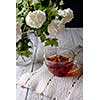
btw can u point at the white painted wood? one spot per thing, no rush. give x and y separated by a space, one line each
58 87
70 38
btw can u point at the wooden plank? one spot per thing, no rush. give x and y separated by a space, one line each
59 87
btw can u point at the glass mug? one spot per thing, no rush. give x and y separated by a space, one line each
62 63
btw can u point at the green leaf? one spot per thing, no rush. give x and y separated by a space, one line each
51 42
22 46
55 42
61 3
25 27
48 42
37 6
42 37
26 53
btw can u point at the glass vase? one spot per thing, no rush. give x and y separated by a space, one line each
23 60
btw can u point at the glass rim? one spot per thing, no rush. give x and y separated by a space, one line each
54 49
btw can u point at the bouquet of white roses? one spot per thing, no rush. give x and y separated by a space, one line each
43 17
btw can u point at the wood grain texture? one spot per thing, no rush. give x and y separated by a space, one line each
58 87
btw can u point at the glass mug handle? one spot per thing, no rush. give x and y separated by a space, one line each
78 55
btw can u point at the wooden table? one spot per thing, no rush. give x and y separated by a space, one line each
58 88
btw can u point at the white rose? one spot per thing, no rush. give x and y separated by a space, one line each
55 27
61 12
67 14
35 19
18 31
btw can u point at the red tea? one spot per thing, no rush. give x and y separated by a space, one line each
63 66
60 65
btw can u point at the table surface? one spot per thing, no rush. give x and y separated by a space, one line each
58 88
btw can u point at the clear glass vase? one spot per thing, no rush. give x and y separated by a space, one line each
23 60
